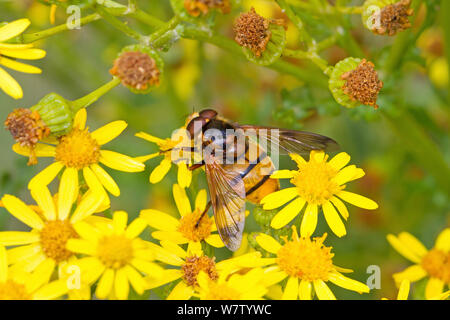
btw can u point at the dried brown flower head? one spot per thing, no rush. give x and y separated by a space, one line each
136 70
252 31
27 128
362 84
198 7
393 18
194 265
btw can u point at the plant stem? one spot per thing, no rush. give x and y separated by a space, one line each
312 56
350 10
90 98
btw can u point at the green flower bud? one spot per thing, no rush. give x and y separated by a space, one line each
386 17
56 113
139 68
263 217
353 82
262 40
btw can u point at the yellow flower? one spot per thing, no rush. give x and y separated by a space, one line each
21 285
43 249
114 254
318 183
248 286
80 150
190 263
187 229
403 292
10 52
166 149
434 263
308 265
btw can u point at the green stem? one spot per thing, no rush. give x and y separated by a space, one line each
32 37
446 28
312 56
415 139
350 10
90 98
170 25
119 25
326 43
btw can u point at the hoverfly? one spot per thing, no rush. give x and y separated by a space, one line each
247 176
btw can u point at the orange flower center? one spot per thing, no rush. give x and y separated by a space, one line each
306 259
194 265
54 237
115 251
11 290
437 264
78 149
193 229
314 181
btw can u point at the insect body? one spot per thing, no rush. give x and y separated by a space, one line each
239 169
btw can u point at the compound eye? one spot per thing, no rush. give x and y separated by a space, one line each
195 126
208 114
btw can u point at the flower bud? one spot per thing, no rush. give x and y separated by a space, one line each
263 217
56 113
353 82
261 39
387 17
139 68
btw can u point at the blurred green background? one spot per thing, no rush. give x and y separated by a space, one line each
199 75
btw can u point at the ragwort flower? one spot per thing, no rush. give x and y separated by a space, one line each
308 265
10 52
434 263
80 150
318 183
115 254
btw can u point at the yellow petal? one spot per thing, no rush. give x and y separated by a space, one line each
43 178
135 279
181 292
184 175
81 246
412 273
278 198
40 150
105 284
403 249
23 252
309 221
283 174
297 158
181 200
150 138
340 206
121 284
403 291
10 85
149 268
80 119
147 157
339 161
168 275
106 180
174 236
289 212
21 211
120 220
19 66
17 238
68 192
200 200
109 132
268 243
347 283
120 161
88 205
159 220
136 228
291 290
358 200
443 240
177 250
41 275
304 290
215 241
51 291
26 54
434 287
322 290
13 29
87 231
3 265
347 174
160 171
45 201
413 244
333 220
92 181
